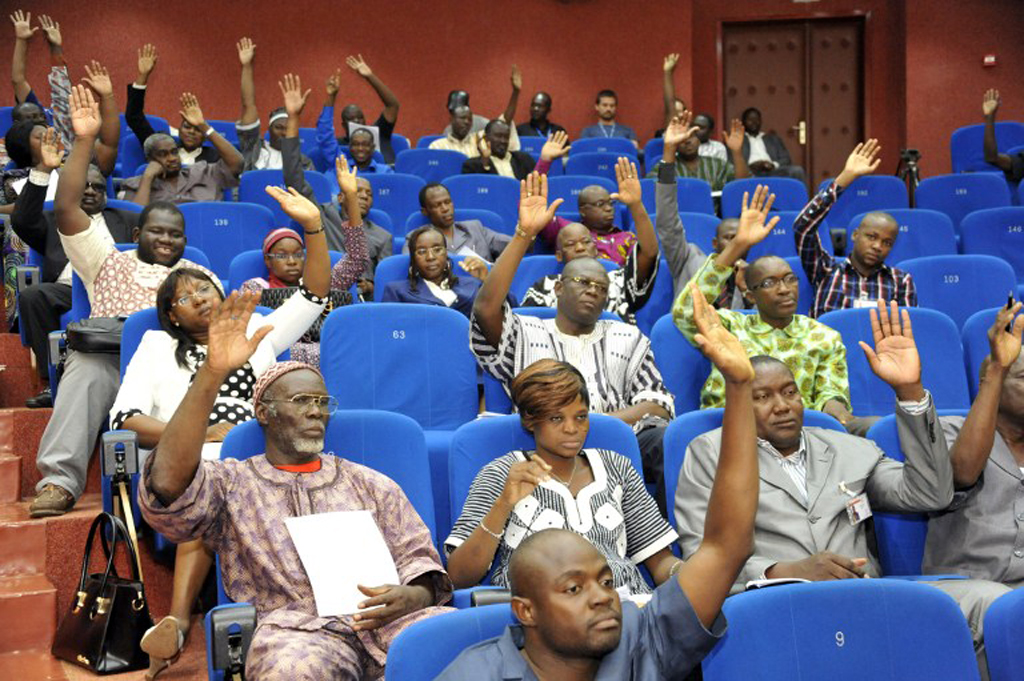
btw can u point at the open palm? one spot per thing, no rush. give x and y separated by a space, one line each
85 112
347 180
534 211
894 358
49 149
227 346
629 192
864 159
295 205
752 228
717 343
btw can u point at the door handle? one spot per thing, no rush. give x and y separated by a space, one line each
801 132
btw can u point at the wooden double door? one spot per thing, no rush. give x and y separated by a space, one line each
807 79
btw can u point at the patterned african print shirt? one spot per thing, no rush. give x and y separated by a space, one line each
712 170
813 352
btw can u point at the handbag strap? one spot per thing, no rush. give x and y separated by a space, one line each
123 507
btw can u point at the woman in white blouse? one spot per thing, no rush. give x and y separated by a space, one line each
162 369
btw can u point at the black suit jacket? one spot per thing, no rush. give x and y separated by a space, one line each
38 228
522 165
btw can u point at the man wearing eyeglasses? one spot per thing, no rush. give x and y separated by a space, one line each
813 352
187 498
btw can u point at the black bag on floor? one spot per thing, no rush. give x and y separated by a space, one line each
102 628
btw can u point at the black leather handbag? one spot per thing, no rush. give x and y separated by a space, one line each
109 614
96 334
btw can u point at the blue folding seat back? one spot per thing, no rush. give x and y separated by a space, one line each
805 291
531 269
844 630
568 188
5 119
396 194
922 233
790 194
701 229
432 165
958 195
653 151
424 142
900 536
226 129
959 285
489 192
396 268
866 194
422 651
129 206
223 229
660 302
683 368
976 347
129 156
158 124
1004 628
532 145
693 195
938 343
478 443
599 164
782 242
998 232
966 144
252 189
488 218
381 219
399 143
617 146
250 264
685 427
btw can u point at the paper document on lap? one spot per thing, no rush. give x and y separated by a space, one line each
340 551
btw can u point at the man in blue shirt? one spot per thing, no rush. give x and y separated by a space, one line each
606 105
572 625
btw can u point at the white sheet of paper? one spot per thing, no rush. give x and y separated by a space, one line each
326 544
374 130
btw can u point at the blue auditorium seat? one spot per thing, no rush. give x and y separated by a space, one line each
966 145
1004 629
700 228
396 194
782 240
5 119
597 164
381 219
976 347
683 367
489 192
250 264
653 151
846 630
805 291
958 195
432 165
226 129
223 229
253 184
938 343
693 195
615 146
399 143
660 301
790 194
998 232
488 218
922 233
129 206
958 285
424 142
866 194
129 156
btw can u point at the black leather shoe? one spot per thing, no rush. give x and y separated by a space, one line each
43 400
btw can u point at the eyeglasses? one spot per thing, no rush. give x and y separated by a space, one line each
603 203
585 284
199 294
568 244
327 404
98 187
287 256
772 283
433 250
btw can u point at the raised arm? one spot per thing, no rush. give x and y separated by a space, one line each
387 97
513 100
534 216
27 218
316 272
98 78
246 55
707 576
134 108
176 457
973 444
630 194
326 138
85 120
733 139
191 112
291 152
351 267
23 33
989 108
668 86
894 358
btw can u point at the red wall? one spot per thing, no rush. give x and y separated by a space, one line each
923 69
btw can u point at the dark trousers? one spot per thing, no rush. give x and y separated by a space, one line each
652 453
40 307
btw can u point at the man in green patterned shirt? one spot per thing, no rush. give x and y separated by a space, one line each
681 150
814 352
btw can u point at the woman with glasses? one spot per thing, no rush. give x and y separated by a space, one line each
162 369
432 274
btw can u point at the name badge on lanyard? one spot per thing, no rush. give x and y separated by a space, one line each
864 301
858 509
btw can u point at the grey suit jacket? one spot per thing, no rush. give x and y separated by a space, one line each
981 534
683 258
787 528
774 145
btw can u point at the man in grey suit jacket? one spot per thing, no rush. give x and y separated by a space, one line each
812 477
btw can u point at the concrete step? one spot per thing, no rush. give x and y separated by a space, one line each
18 380
31 665
20 432
30 601
22 542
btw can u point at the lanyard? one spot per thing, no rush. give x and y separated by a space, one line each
604 130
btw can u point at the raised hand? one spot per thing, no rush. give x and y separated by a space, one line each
85 112
291 91
359 65
397 601
1004 339
23 25
297 207
50 151
557 146
474 267
523 478
98 78
333 83
534 211
863 160
990 103
191 112
246 51
483 146
629 183
227 347
670 62
52 30
753 229
717 343
894 358
347 179
517 79
734 138
147 59
679 129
